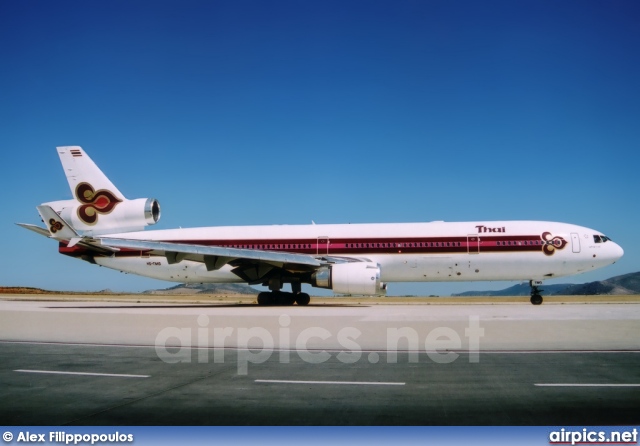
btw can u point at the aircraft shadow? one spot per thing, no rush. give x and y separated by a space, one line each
142 306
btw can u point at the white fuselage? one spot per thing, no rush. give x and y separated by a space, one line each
406 252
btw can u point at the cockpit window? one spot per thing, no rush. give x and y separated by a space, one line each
601 238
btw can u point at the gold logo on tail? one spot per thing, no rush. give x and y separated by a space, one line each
55 225
95 202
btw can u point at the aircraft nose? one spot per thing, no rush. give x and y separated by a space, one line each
614 252
618 252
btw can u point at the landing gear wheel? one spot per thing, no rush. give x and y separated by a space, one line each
303 299
265 299
288 299
536 297
276 298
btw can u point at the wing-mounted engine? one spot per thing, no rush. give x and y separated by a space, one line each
350 278
104 213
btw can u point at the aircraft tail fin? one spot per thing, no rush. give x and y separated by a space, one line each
97 207
80 170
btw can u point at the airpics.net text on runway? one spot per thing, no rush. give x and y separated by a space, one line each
256 345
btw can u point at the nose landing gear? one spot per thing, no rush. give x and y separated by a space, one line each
536 298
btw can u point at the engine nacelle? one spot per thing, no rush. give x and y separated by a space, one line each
108 215
350 278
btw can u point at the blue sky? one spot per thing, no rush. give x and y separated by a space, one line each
248 112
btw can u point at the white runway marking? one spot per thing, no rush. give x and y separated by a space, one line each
53 372
586 385
355 383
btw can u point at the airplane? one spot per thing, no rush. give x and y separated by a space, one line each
101 226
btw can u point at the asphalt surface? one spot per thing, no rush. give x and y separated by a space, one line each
64 364
500 389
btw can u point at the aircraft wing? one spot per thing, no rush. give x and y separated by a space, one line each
215 257
252 265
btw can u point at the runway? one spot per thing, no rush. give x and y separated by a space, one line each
70 363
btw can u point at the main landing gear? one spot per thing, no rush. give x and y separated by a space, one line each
277 297
282 298
536 298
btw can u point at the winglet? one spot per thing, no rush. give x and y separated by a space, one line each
58 227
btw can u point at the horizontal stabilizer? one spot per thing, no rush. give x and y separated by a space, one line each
36 229
59 229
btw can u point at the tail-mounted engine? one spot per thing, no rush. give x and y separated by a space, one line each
109 214
350 278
